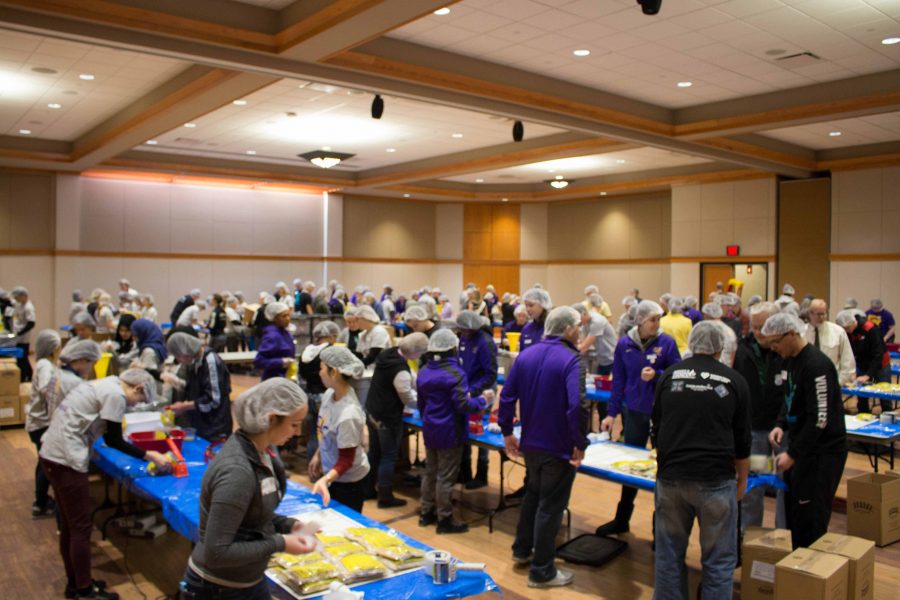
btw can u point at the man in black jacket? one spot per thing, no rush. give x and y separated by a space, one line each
873 361
761 367
182 303
813 414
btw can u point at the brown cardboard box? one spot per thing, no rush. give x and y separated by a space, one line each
10 410
811 575
9 379
861 554
873 507
761 550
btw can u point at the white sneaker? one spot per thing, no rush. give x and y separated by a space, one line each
562 578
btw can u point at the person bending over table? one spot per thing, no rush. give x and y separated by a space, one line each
241 489
89 409
207 387
340 465
873 361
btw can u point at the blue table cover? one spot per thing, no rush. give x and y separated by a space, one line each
180 502
861 393
877 430
13 352
592 394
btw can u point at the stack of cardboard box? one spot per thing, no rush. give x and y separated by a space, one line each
873 507
10 403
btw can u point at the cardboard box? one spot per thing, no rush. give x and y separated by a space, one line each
811 575
9 379
861 554
761 550
10 410
873 507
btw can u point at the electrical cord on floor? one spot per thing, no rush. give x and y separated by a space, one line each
128 570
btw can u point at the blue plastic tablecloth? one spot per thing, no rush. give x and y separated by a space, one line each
860 393
592 394
180 502
13 352
877 430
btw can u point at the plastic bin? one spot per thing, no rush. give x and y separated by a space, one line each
148 440
101 368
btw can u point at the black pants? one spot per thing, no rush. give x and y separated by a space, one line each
195 587
862 404
637 432
352 494
812 483
41 483
23 363
546 497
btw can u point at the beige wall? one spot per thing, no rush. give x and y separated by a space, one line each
388 228
26 211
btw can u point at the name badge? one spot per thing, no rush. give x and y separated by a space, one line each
268 486
651 358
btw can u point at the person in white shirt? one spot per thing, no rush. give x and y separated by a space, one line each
148 310
191 315
23 322
373 338
597 340
832 340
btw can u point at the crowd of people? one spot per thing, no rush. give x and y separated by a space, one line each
707 387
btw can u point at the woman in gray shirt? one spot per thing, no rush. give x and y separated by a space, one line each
241 489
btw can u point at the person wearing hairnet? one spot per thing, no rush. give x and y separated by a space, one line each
182 303
241 489
882 318
190 316
276 348
393 389
324 334
675 324
106 318
731 313
626 319
538 304
77 361
701 432
832 340
45 397
786 299
207 387
305 301
148 308
597 340
24 319
83 325
712 311
88 410
444 403
873 361
373 338
478 358
690 310
641 357
350 334
762 369
520 319
77 305
813 415
596 304
217 323
418 321
548 385
340 465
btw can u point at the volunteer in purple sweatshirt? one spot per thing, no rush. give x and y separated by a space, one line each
478 358
538 303
276 349
641 357
548 384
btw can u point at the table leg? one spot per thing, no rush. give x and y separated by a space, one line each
501 504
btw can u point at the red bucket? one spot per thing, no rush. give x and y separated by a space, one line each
603 382
146 440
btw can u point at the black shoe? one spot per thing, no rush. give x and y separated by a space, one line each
448 525
97 593
410 480
426 519
476 484
516 495
391 502
38 512
612 528
71 592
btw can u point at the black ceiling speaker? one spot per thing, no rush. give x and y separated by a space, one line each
650 7
518 131
377 107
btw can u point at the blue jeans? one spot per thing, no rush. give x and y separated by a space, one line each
636 432
195 587
389 438
714 505
753 504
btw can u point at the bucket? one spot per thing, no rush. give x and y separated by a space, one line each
513 341
156 440
101 367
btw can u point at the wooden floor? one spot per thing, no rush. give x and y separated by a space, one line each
32 567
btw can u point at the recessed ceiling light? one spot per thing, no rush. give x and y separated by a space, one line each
602 193
326 148
240 103
890 41
835 133
152 142
621 161
504 199
54 105
442 11
251 152
391 150
456 135
86 77
190 125
479 180
25 131
406 195
685 84
581 52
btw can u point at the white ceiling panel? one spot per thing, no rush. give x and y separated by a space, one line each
26 88
854 132
695 38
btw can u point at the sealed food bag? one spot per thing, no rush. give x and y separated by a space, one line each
360 567
287 561
344 549
331 540
406 564
399 552
311 577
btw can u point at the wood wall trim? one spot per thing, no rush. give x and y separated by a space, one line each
888 257
862 162
176 168
26 252
732 145
736 260
321 21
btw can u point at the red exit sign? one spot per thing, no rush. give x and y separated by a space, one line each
733 250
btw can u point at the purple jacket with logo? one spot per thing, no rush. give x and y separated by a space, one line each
478 358
548 383
628 361
276 345
444 403
531 334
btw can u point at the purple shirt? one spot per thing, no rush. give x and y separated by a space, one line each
549 385
531 334
276 345
629 359
884 319
478 358
444 403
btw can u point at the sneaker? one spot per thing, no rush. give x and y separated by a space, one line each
562 578
449 525
523 560
426 519
391 503
42 513
71 592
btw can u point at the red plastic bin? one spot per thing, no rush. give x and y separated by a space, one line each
146 440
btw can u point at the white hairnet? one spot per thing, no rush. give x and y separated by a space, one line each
591 289
414 343
783 323
183 344
664 299
469 320
351 312
676 305
560 319
596 300
415 313
276 396
690 302
876 303
851 303
368 313
46 343
84 318
280 284
196 293
647 309
273 309
80 349
538 296
707 337
340 358
520 309
18 291
629 301
442 340
770 308
846 317
140 377
713 310
754 299
580 308
326 329
731 299
788 289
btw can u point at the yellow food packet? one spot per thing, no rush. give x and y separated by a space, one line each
358 565
331 540
314 571
343 549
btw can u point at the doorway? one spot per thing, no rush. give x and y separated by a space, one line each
751 278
